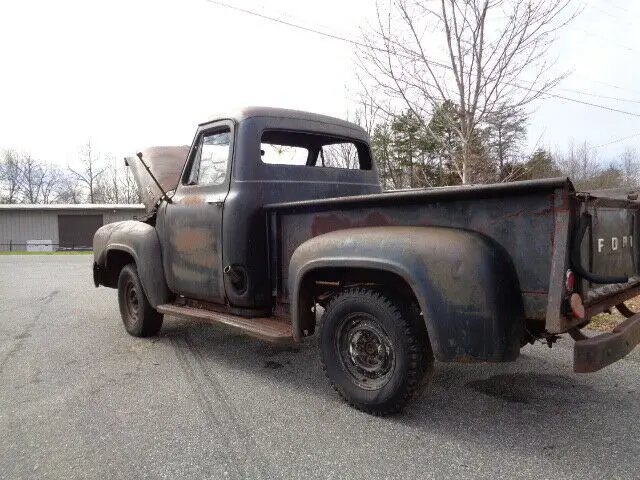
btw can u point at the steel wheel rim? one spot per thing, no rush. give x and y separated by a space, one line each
132 302
366 351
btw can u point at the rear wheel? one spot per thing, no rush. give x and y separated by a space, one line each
139 317
375 353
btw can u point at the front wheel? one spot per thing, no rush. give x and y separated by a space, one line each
139 317
376 355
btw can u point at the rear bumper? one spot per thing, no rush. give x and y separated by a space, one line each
593 354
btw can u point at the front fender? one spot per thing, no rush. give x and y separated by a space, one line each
464 281
140 241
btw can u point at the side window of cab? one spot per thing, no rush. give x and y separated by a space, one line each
210 163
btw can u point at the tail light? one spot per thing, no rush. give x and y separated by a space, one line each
577 308
570 281
573 299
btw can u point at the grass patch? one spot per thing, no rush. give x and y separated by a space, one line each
63 252
606 322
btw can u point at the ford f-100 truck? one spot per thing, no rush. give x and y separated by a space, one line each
274 216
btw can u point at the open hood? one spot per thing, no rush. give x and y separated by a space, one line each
165 163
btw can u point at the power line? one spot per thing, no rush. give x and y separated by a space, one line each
618 7
439 64
595 105
609 14
618 140
618 87
606 39
597 95
361 44
287 23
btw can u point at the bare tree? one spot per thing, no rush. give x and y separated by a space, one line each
33 179
630 166
50 184
10 177
107 188
90 171
489 45
340 155
129 188
580 163
116 184
68 189
25 179
368 112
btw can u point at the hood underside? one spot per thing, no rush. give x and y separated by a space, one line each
166 165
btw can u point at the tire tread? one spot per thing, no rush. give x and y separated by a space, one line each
420 356
151 319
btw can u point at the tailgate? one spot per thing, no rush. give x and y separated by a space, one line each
606 240
604 253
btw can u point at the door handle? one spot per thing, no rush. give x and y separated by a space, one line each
217 203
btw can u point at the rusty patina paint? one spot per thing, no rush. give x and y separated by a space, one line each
196 247
595 353
512 224
330 222
191 239
193 200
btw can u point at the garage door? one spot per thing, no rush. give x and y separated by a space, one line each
76 231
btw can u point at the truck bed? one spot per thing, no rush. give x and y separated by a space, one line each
533 221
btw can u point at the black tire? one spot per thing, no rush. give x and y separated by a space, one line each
139 317
375 353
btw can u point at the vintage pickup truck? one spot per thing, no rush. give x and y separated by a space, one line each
273 216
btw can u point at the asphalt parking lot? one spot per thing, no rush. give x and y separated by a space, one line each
79 398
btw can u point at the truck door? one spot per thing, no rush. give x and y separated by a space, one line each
192 223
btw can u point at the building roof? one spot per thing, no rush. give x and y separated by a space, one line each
72 206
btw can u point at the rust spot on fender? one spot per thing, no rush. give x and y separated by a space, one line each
377 219
328 223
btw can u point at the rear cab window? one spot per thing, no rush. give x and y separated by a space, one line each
279 147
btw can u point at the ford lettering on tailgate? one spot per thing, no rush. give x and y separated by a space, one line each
613 242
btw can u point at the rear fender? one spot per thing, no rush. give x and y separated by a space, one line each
464 282
139 241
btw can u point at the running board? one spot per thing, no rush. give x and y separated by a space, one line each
266 328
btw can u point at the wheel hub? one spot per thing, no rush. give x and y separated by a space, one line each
133 302
366 351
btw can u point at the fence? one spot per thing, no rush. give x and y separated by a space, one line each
57 247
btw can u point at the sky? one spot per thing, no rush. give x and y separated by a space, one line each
127 74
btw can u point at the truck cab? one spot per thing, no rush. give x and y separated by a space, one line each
235 167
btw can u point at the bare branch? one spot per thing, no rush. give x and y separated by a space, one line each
496 58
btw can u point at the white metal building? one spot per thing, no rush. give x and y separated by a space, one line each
65 226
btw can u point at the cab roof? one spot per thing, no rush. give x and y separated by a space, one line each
243 113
